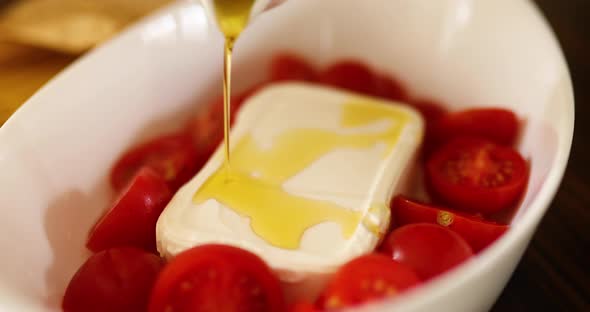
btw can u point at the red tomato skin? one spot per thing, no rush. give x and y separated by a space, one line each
206 128
478 233
114 280
466 193
495 124
430 110
303 307
286 66
367 278
131 221
391 89
216 278
350 75
172 156
428 249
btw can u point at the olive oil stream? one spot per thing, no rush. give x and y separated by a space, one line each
253 185
232 17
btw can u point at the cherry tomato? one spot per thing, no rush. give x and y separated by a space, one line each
350 75
476 175
303 307
215 109
430 110
216 278
291 67
495 124
206 129
428 249
366 278
114 280
391 89
131 221
172 156
477 232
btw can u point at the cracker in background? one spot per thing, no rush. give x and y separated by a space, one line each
70 26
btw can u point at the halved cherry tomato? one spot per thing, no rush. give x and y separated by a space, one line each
172 156
495 124
216 278
350 75
291 67
476 175
366 278
428 249
477 232
391 89
114 280
131 221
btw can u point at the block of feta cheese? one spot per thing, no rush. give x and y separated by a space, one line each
307 188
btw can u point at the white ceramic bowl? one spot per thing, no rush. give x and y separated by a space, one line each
56 150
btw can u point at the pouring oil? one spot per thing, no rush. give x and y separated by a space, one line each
232 17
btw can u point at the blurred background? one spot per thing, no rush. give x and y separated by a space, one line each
38 38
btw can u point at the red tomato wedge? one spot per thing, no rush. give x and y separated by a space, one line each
131 221
478 233
367 278
477 175
291 67
428 249
352 76
172 156
114 280
495 124
216 278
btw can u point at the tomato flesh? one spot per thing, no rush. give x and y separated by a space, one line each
367 278
428 249
477 232
291 67
216 278
495 124
114 280
131 221
172 156
476 175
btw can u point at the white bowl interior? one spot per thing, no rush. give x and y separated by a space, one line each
55 152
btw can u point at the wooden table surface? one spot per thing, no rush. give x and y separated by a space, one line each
554 274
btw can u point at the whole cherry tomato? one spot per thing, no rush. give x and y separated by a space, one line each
291 67
352 76
428 249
